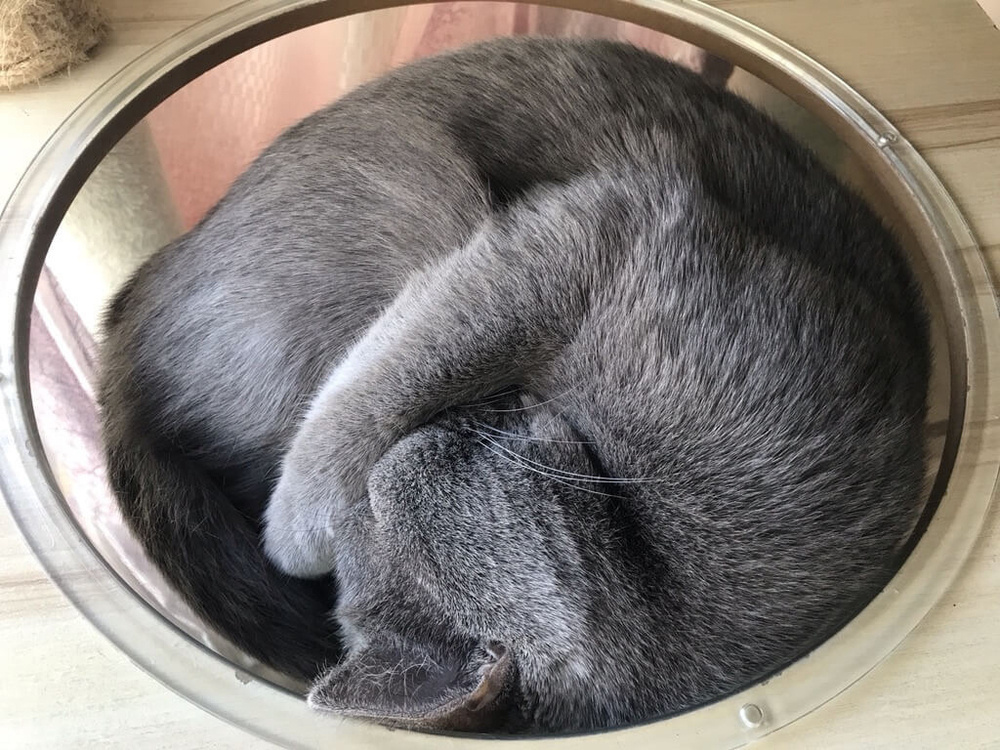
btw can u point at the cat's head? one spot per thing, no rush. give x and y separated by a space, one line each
469 596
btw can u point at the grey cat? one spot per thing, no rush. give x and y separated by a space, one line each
596 394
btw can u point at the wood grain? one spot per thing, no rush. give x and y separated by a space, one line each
933 66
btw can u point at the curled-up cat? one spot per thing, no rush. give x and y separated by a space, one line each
593 395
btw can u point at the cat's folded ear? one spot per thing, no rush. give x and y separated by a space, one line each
404 685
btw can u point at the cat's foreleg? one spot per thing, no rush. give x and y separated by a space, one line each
488 316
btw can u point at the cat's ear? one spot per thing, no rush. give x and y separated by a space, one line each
407 686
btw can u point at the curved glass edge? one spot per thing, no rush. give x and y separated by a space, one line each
29 219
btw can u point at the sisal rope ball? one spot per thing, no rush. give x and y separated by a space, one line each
41 37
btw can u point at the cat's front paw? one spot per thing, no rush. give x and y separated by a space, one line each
325 473
298 526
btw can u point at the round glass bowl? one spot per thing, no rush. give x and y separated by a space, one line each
146 155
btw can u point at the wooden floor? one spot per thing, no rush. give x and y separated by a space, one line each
932 66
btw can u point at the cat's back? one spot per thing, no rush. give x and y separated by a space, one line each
226 332
323 230
754 391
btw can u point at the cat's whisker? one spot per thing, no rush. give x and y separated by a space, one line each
549 400
551 471
554 417
498 396
556 479
528 438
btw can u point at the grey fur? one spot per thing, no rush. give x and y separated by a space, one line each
598 396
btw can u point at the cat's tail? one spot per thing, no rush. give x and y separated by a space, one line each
210 553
